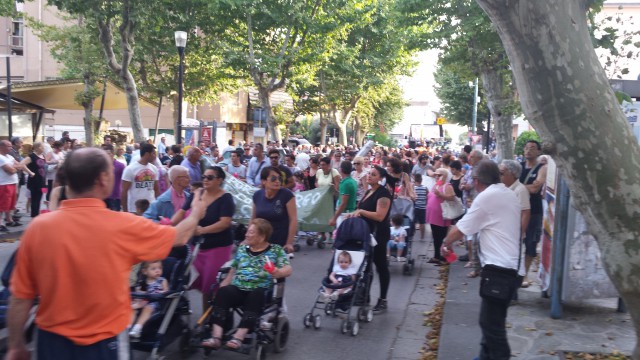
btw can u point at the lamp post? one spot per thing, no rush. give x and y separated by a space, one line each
181 42
9 100
474 117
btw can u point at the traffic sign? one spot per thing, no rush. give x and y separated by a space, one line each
441 121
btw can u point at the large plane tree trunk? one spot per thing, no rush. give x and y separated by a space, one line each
566 95
499 100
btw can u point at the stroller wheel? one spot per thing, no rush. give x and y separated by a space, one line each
260 353
317 321
328 309
310 241
296 247
321 245
307 320
355 328
362 314
185 342
369 316
344 327
282 335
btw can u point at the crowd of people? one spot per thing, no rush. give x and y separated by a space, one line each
182 189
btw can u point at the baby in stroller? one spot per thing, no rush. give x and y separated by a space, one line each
153 283
343 275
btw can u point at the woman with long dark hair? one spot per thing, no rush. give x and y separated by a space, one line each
374 208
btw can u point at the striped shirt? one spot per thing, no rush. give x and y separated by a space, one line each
421 197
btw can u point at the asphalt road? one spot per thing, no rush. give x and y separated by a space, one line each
374 341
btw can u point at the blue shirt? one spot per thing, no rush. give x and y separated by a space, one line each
253 171
195 174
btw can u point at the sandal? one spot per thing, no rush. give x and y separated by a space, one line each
212 343
473 274
234 343
468 265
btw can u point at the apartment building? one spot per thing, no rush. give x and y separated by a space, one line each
33 68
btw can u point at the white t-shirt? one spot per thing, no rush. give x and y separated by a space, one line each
495 216
5 177
302 160
398 232
142 179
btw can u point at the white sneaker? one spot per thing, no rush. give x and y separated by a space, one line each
290 256
135 331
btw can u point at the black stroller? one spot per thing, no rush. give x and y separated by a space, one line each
172 321
405 208
353 236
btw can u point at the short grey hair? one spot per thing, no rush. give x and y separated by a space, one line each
176 171
513 167
477 154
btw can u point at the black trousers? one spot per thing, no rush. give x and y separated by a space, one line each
230 296
36 198
382 267
439 233
49 188
494 344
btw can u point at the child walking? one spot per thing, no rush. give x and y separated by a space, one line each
153 283
420 205
398 236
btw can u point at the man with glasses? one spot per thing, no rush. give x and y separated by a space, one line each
246 156
287 176
256 164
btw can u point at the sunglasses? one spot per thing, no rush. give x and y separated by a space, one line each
209 177
357 163
275 178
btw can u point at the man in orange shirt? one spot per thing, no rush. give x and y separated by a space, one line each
77 261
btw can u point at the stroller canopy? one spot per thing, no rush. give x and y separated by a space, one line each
353 235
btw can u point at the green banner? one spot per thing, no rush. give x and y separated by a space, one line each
315 207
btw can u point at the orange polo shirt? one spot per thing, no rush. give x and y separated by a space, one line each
77 260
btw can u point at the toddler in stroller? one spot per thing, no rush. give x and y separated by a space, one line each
343 276
353 238
153 283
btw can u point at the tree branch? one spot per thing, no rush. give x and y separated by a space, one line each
106 39
252 56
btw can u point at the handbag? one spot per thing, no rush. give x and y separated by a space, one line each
498 283
452 209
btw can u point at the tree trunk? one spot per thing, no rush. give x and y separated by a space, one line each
87 104
357 132
131 91
566 95
499 97
324 123
265 101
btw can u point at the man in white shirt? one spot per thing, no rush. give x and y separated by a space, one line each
8 185
140 179
496 216
302 158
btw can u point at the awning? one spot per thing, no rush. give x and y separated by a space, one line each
60 94
19 106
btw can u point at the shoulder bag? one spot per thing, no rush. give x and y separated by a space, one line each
452 209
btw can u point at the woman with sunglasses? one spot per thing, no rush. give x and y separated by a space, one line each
374 208
359 174
277 205
214 228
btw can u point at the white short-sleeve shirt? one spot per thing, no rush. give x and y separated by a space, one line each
522 193
495 216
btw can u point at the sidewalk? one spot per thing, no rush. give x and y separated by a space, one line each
591 326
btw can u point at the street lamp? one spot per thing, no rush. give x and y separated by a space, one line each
9 100
181 42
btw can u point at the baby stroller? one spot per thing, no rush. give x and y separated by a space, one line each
173 318
353 236
405 208
270 333
29 328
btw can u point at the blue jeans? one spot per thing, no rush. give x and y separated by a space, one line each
55 347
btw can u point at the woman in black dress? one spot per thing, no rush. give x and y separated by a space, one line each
374 208
36 162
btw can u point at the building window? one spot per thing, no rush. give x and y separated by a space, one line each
17 36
